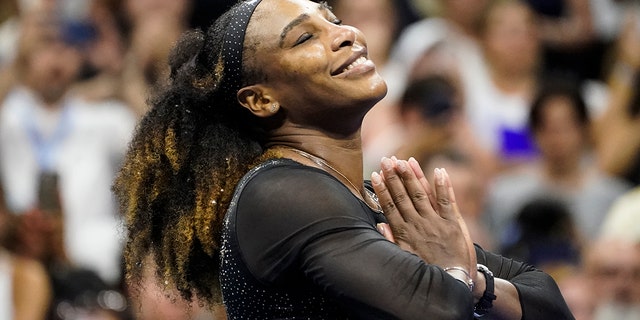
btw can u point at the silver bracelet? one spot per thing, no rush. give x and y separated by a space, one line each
469 283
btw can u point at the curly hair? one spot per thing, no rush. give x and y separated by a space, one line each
183 163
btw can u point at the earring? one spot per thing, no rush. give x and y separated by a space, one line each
274 108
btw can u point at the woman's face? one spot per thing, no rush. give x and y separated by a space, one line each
511 38
560 135
315 67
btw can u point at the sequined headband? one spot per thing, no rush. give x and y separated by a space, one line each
233 46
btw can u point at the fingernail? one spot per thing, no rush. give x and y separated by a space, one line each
386 163
412 160
439 176
376 179
380 227
402 166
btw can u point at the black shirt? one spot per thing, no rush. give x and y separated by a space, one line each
297 244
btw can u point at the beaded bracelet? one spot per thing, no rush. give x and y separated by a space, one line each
469 283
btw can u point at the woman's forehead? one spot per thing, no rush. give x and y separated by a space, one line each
272 16
279 5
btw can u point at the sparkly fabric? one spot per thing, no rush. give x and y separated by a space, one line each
233 46
297 244
246 297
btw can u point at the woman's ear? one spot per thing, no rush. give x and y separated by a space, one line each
257 100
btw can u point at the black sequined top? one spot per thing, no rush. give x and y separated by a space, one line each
297 244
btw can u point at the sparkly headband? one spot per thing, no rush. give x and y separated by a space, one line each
233 46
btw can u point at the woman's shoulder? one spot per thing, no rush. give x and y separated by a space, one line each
287 172
284 182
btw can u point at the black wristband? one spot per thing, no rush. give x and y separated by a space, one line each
486 301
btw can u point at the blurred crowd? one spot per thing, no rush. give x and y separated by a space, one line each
532 106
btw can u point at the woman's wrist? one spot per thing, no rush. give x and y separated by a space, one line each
484 302
461 274
480 285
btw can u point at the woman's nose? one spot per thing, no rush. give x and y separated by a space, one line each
343 36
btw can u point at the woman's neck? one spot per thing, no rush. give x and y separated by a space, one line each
345 155
340 157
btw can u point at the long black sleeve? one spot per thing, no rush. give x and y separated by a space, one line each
540 297
298 229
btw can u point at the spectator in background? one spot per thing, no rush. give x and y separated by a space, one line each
609 21
9 16
44 128
155 27
498 104
578 294
559 122
544 234
430 112
454 29
25 292
570 45
617 129
608 276
455 38
494 51
612 266
438 61
622 219
104 53
613 262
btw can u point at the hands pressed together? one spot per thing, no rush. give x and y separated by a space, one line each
425 220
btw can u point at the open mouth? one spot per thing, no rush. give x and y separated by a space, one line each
350 64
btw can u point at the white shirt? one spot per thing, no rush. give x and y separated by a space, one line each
493 114
86 157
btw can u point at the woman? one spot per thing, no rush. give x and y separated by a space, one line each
269 103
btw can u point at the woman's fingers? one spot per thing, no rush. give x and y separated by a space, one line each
463 226
386 201
417 170
423 220
396 198
417 188
445 205
386 232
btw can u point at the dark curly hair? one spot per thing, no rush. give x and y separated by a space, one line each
186 157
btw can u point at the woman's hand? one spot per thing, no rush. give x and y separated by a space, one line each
422 221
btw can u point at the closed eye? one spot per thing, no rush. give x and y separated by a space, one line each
306 36
303 38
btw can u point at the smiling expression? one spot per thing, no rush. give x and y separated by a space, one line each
312 63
